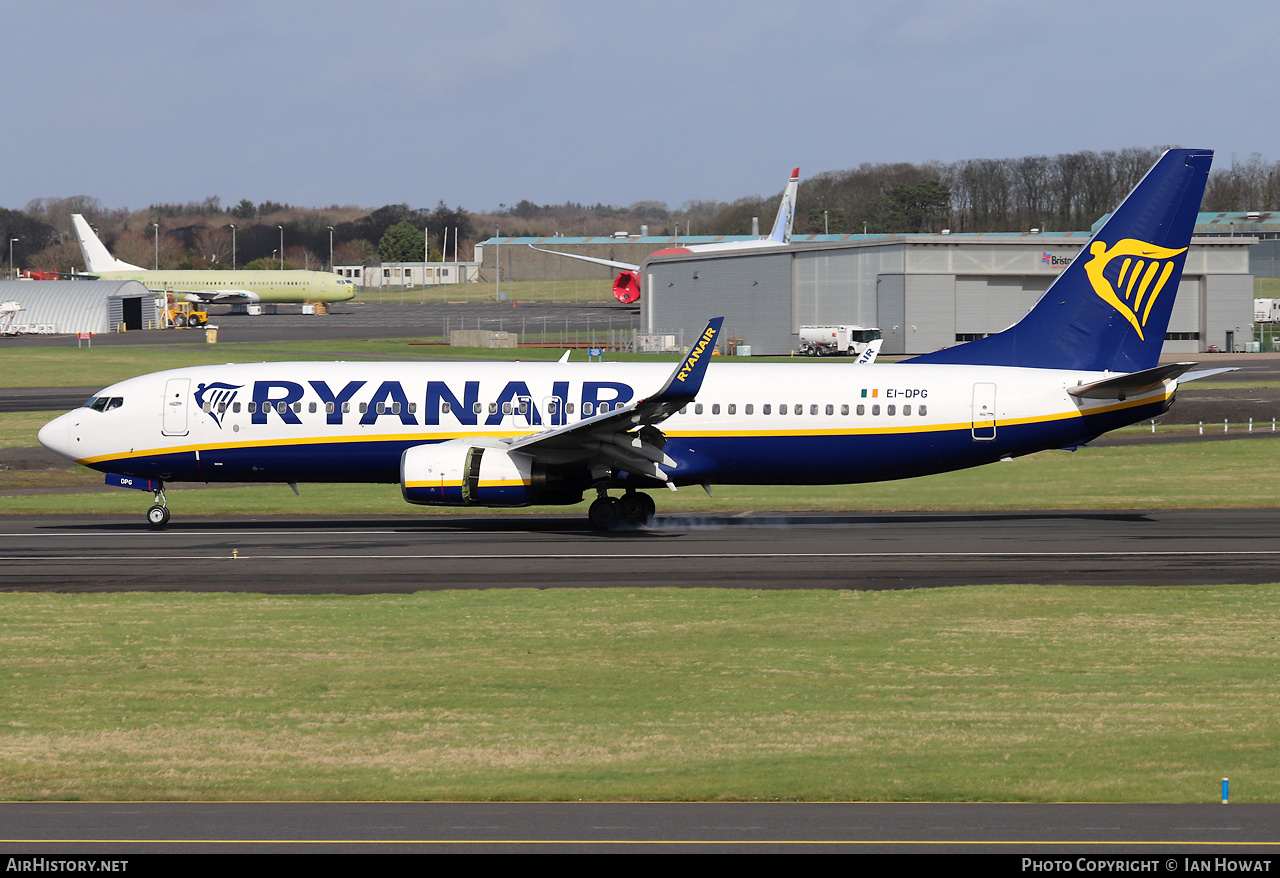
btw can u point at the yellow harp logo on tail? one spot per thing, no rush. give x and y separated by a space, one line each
1142 273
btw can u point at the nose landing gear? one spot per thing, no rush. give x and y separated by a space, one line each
158 515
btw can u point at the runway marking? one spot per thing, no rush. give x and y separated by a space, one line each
567 556
623 841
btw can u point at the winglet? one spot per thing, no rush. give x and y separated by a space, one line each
686 380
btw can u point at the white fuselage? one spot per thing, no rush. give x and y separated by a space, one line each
751 423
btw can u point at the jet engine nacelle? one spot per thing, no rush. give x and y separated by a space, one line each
626 287
461 473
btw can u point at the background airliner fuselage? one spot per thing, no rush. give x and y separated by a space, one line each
267 287
213 286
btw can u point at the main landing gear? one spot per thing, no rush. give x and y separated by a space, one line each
632 509
158 515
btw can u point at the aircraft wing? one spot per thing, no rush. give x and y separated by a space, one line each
625 266
608 438
219 297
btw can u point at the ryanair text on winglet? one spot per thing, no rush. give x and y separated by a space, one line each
692 360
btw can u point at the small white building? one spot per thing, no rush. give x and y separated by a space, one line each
410 274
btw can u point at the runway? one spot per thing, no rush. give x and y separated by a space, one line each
1052 831
832 551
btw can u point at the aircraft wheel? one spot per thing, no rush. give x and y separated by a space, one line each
158 516
637 508
604 514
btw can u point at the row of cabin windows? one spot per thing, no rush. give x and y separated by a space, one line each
798 408
588 409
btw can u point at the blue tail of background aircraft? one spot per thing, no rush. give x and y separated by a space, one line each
1110 308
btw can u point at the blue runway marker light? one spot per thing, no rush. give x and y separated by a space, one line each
1224 791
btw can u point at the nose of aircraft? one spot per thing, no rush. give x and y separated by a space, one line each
56 436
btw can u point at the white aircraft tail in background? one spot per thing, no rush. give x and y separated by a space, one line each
97 258
626 286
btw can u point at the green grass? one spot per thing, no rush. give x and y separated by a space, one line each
1239 474
1266 287
1010 693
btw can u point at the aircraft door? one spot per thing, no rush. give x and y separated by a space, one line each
174 417
984 412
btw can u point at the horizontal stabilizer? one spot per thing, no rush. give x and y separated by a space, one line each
1205 373
1132 384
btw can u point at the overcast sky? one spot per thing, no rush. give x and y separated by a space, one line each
488 102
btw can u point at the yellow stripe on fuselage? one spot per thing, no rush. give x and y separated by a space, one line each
442 437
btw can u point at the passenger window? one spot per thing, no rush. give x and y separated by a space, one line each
282 407
782 409
733 409
923 410
891 410
604 407
524 407
551 406
444 406
222 408
813 410
697 408
862 409
799 409
506 408
906 410
207 407
395 408
875 410
844 409
493 408
684 409
328 408
253 407
381 408
235 407
568 407
297 407
413 407
749 409
364 407
346 408
476 408
587 409
767 409
715 408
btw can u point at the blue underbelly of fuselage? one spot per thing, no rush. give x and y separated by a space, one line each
754 459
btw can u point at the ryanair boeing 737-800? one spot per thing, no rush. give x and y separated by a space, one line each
1083 361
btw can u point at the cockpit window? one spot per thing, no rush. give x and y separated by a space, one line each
115 402
104 403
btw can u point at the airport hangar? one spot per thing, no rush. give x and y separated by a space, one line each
924 292
56 307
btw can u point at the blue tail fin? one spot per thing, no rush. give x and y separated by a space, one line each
1110 308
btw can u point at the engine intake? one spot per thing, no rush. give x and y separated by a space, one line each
459 473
